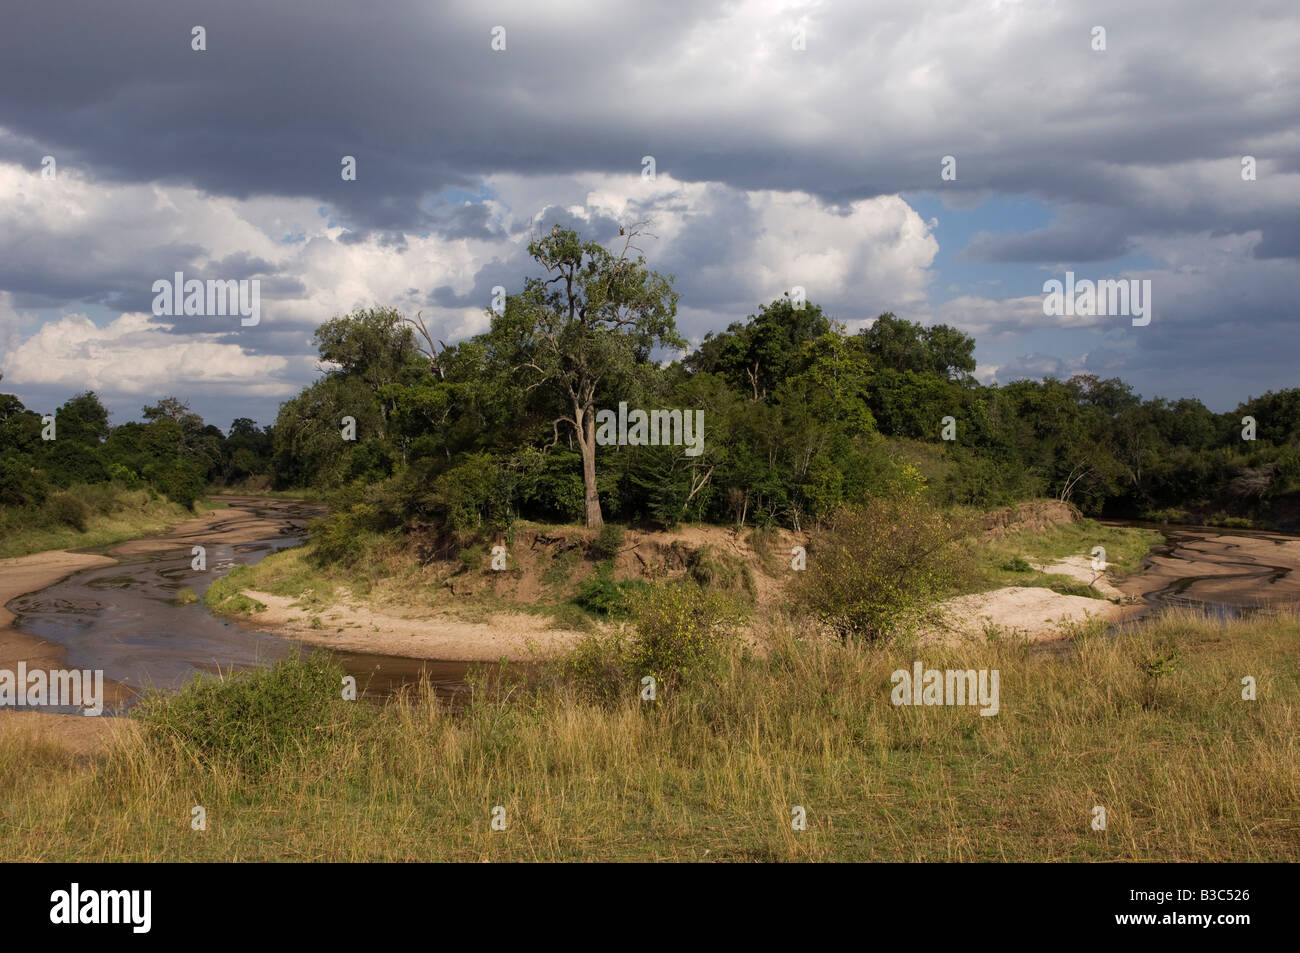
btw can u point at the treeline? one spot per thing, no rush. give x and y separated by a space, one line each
172 452
800 417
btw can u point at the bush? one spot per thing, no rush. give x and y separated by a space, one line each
65 509
876 569
719 570
1017 564
249 721
180 480
19 486
608 543
601 595
680 631
340 539
598 666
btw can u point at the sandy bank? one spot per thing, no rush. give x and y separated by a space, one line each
354 627
245 520
1029 612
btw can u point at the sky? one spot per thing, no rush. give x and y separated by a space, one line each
793 145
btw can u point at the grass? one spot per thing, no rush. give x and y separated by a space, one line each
1006 561
712 772
111 515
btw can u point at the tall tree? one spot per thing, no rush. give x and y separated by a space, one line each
587 328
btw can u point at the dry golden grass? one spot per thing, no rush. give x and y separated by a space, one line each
1190 773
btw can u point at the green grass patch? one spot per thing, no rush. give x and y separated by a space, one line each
89 517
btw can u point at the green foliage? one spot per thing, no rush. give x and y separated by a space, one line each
69 510
873 570
716 569
602 596
342 538
1017 564
681 631
249 721
608 543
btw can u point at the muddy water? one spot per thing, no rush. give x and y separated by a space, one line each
1224 571
125 619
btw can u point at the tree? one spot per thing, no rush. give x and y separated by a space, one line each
377 347
585 329
757 356
83 419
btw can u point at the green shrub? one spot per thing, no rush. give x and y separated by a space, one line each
19 485
1169 514
249 721
876 570
67 510
598 667
341 539
601 595
680 631
1017 564
608 543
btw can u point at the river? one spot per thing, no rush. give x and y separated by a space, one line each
126 618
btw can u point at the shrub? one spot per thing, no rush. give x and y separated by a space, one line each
680 631
340 539
598 666
602 596
67 510
719 570
608 543
19 486
1017 564
876 569
251 720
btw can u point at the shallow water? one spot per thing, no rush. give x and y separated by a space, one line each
125 620
1224 572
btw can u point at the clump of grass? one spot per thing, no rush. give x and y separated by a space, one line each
1017 564
716 569
226 595
186 597
249 721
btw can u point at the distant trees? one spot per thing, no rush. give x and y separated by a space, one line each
801 419
172 451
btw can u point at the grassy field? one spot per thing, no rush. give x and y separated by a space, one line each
90 517
1151 726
